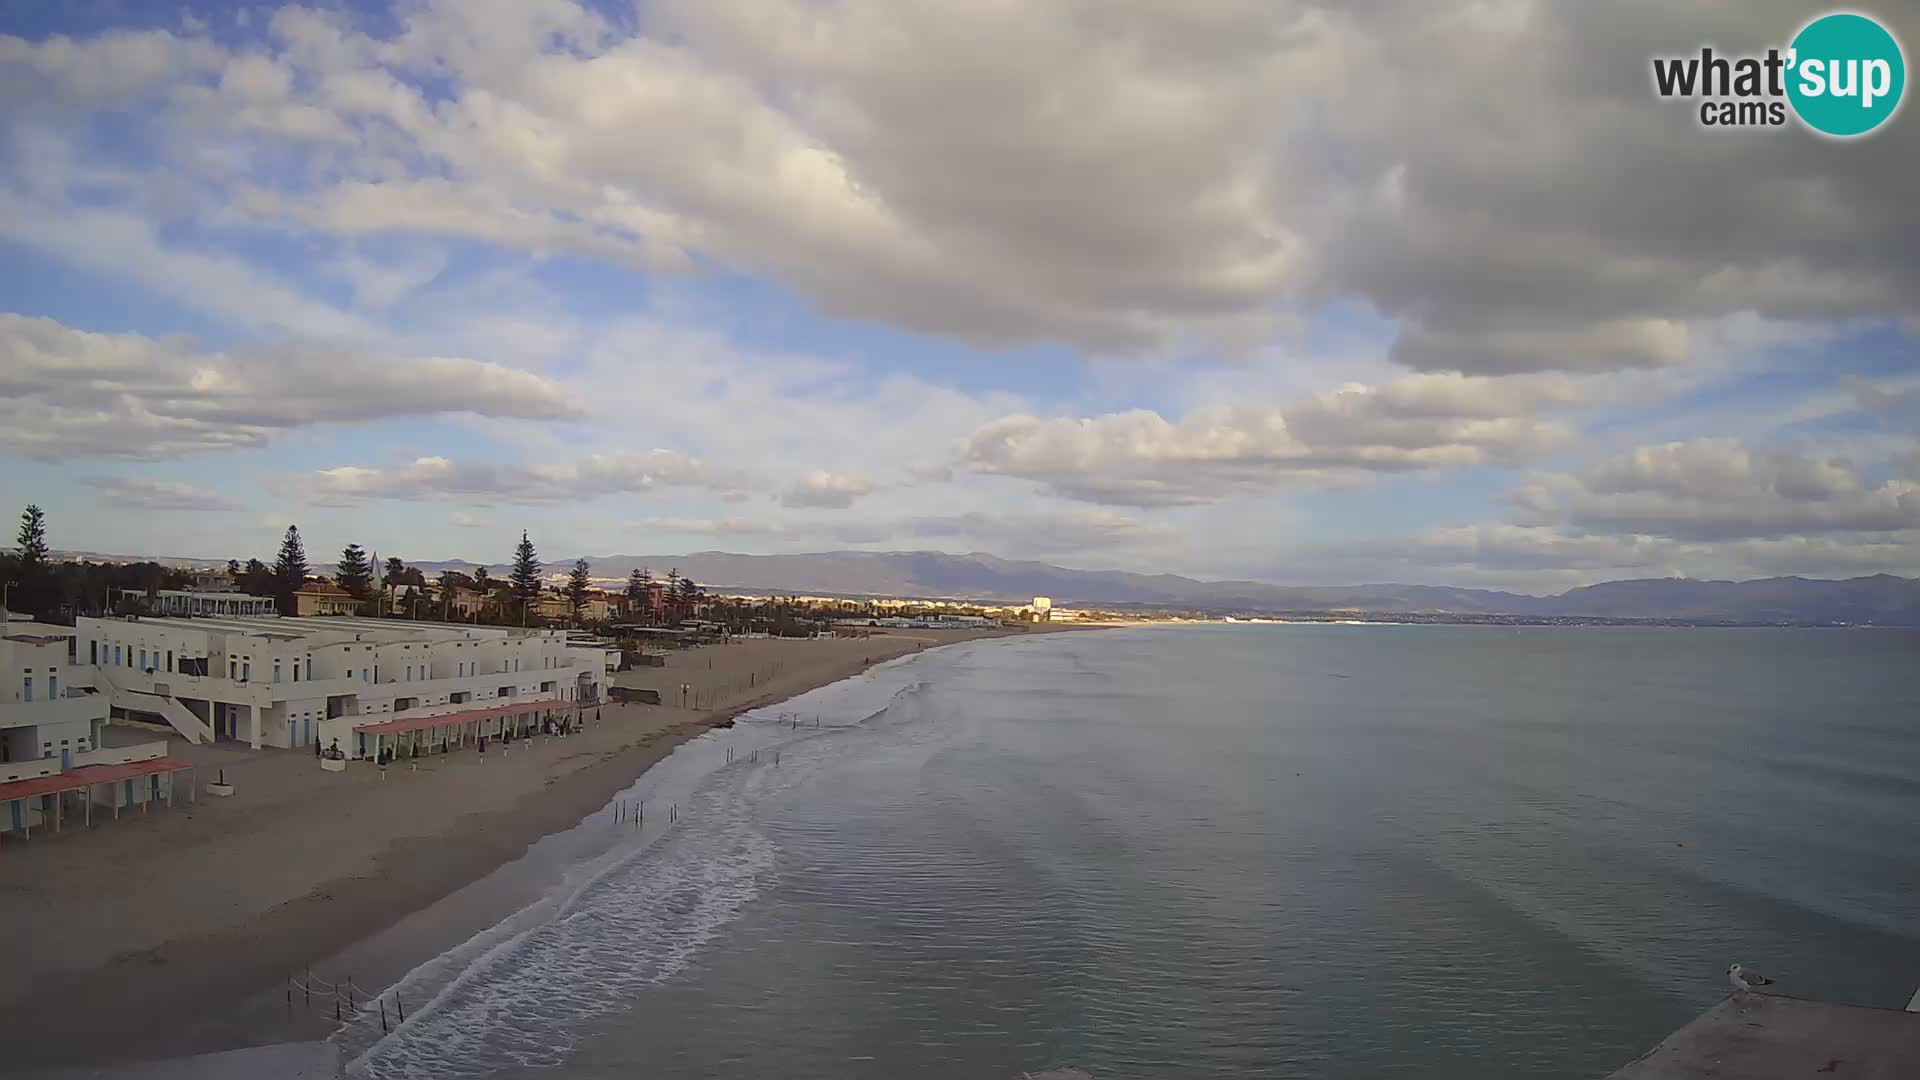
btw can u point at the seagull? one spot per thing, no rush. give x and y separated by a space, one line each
1742 979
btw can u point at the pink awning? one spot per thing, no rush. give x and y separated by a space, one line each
89 775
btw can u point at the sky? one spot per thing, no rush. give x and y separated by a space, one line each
1311 293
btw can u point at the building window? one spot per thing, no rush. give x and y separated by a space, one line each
296 671
117 662
309 669
276 671
246 671
53 687
26 688
93 653
143 659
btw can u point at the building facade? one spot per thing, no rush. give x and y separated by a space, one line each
45 713
271 681
319 598
200 602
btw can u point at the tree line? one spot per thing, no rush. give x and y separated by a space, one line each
59 591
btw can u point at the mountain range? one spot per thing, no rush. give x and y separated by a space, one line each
1881 599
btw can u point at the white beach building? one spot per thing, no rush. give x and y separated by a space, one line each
276 682
44 712
52 754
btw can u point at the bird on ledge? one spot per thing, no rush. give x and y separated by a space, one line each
1742 979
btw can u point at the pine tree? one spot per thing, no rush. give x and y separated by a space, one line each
671 595
526 576
32 540
290 569
689 597
579 584
32 579
355 573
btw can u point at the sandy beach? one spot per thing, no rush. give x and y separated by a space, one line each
154 919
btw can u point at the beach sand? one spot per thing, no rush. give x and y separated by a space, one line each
142 924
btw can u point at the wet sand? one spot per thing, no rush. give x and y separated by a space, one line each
143 924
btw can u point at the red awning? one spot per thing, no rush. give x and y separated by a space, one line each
417 723
89 775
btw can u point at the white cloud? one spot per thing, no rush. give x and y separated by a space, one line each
824 490
67 393
136 493
727 526
1712 490
586 477
1176 173
119 243
463 520
1141 458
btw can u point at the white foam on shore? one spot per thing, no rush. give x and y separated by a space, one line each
637 923
518 993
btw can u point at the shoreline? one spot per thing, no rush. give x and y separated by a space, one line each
445 828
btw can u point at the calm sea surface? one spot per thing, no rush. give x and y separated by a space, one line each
1227 851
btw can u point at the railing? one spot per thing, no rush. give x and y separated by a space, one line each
120 755
59 710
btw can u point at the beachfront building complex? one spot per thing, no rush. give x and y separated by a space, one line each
53 755
44 712
273 682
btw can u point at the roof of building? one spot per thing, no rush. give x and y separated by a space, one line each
88 775
464 716
321 588
40 639
1764 1036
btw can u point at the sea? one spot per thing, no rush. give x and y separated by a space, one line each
1220 851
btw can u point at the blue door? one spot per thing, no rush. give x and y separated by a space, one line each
66 759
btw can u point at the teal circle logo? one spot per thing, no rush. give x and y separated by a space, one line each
1846 74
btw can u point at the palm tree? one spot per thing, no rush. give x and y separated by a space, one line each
484 586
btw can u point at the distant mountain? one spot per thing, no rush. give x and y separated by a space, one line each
1882 599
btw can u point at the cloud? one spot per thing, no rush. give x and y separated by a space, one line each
728 526
463 520
1076 532
1501 348
825 490
112 68
135 493
1182 170
1140 458
67 393
1711 490
586 477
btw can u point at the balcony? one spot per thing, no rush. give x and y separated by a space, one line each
33 713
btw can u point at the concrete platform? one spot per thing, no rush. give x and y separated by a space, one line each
282 1061
1754 1036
